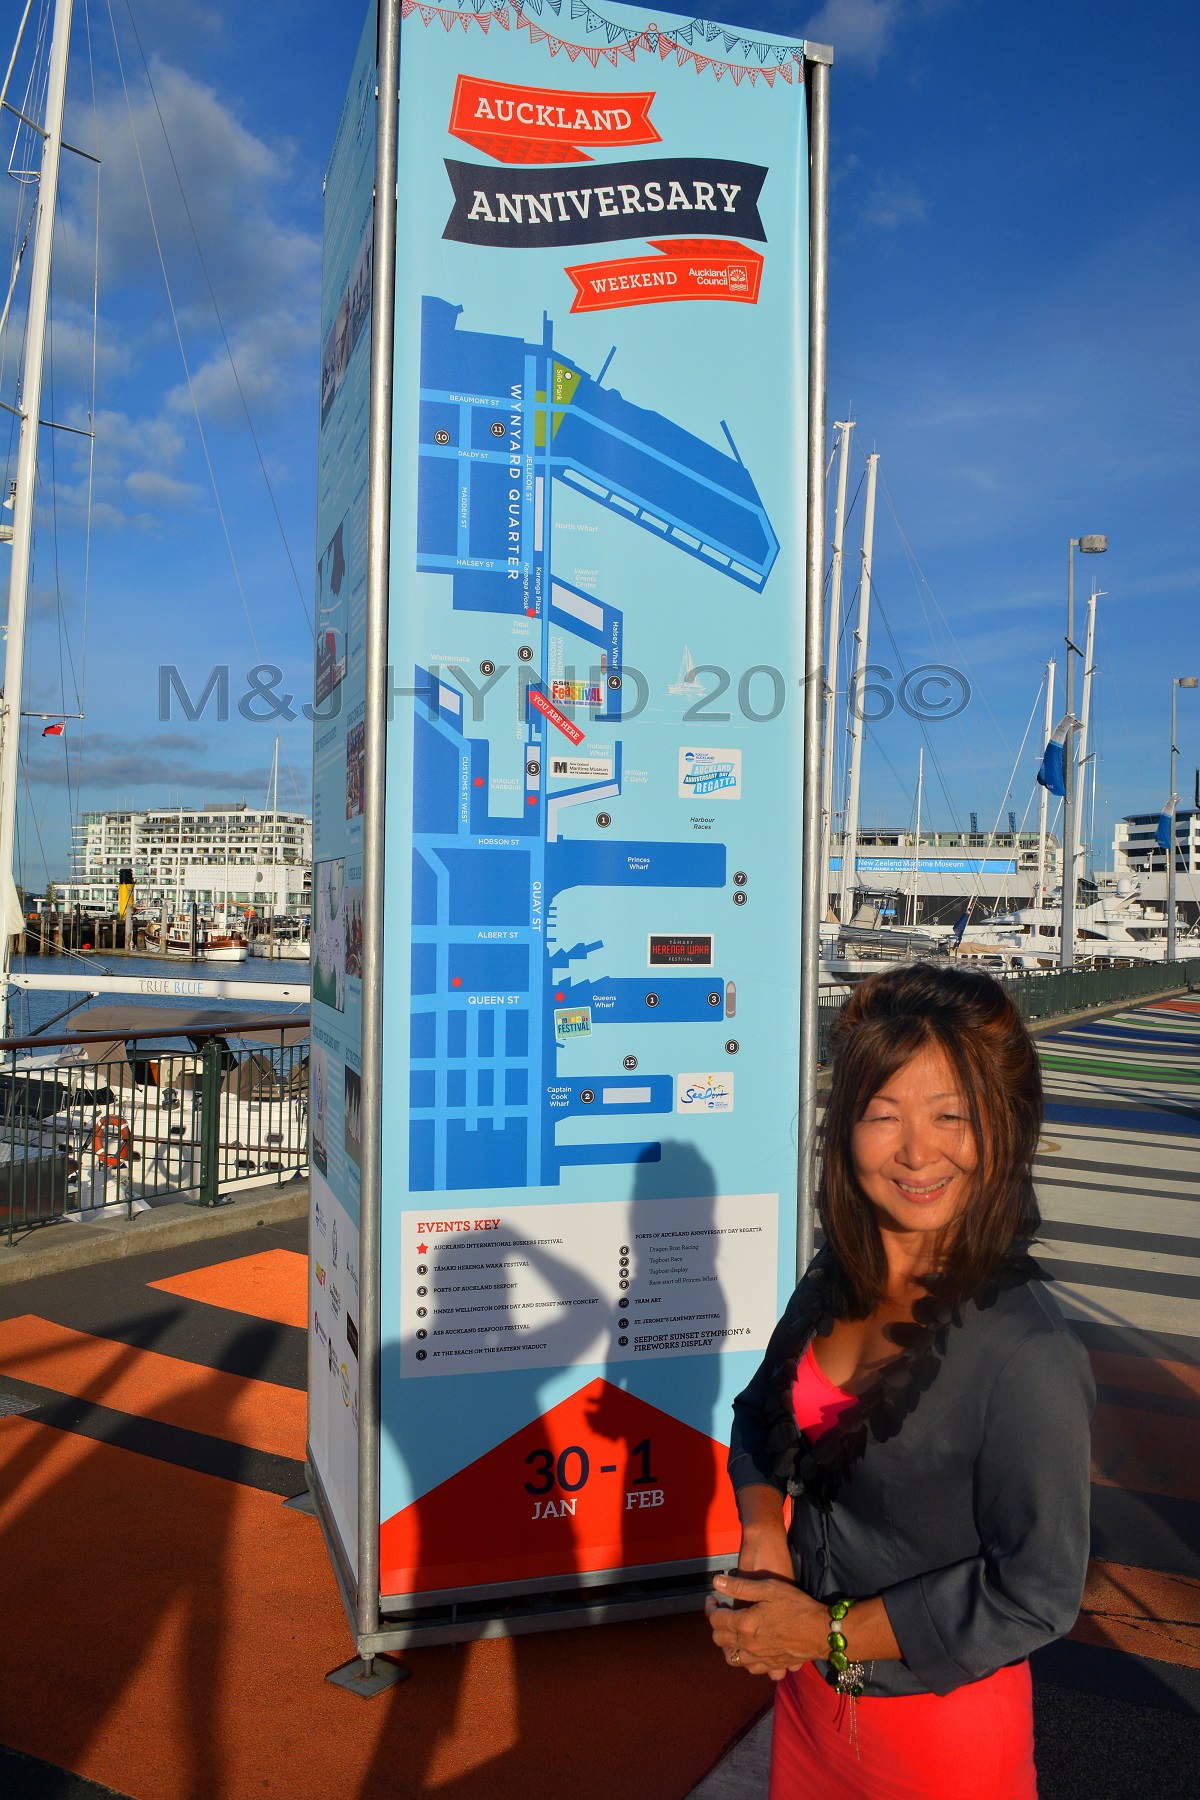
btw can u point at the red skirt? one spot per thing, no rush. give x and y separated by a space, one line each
973 1744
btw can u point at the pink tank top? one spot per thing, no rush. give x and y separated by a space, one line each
816 1402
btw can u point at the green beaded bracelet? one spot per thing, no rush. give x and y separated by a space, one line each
839 1662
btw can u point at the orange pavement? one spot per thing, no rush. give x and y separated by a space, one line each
270 1284
1145 1375
1154 1453
1143 1612
257 1414
193 1621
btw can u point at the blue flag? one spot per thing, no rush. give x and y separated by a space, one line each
1166 823
1052 771
964 919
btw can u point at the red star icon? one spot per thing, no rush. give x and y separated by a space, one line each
422 1249
531 612
479 781
533 799
559 996
456 981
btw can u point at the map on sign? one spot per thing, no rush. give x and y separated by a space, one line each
519 1029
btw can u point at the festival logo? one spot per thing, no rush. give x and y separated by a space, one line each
572 1022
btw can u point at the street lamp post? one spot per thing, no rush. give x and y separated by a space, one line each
1087 546
1187 681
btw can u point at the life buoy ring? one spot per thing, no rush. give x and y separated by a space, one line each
101 1136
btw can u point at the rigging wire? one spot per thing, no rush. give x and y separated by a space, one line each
91 468
221 324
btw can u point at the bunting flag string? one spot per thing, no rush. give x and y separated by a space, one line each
788 58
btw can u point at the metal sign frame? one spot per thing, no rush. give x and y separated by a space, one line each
595 1599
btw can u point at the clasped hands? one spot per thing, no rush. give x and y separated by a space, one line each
774 1625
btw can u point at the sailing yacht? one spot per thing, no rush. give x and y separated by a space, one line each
686 686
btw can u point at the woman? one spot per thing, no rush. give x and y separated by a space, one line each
925 1408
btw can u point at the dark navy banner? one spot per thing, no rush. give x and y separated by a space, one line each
693 196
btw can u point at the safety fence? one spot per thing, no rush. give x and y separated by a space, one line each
1054 993
90 1121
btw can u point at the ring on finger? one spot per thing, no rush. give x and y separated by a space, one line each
736 1657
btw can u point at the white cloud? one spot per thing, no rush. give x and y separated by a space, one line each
859 30
892 203
264 270
153 488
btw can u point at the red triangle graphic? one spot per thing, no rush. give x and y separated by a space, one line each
602 1481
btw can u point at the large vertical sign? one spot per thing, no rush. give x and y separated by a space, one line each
334 1399
592 889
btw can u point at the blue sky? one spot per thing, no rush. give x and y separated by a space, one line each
1013 281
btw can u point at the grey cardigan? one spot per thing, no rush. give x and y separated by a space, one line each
959 1492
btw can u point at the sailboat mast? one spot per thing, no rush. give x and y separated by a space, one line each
917 838
1039 898
829 737
274 850
1081 765
27 450
861 637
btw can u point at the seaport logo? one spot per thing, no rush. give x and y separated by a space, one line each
518 124
704 1093
572 1022
710 774
535 209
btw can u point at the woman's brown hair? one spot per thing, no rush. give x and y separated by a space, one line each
888 1019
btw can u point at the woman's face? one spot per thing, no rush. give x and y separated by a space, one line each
914 1152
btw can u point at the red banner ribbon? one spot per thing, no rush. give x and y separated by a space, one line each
684 269
567 726
546 125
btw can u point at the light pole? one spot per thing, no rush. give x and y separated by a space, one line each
1087 546
1187 681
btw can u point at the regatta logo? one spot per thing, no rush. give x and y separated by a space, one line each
320 1274
518 124
672 196
710 774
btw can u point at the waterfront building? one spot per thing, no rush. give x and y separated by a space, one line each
218 853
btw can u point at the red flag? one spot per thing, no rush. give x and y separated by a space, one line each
54 730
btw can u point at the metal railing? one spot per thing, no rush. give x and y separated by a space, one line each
1054 993
93 1121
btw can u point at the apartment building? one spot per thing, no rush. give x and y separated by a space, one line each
218 853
